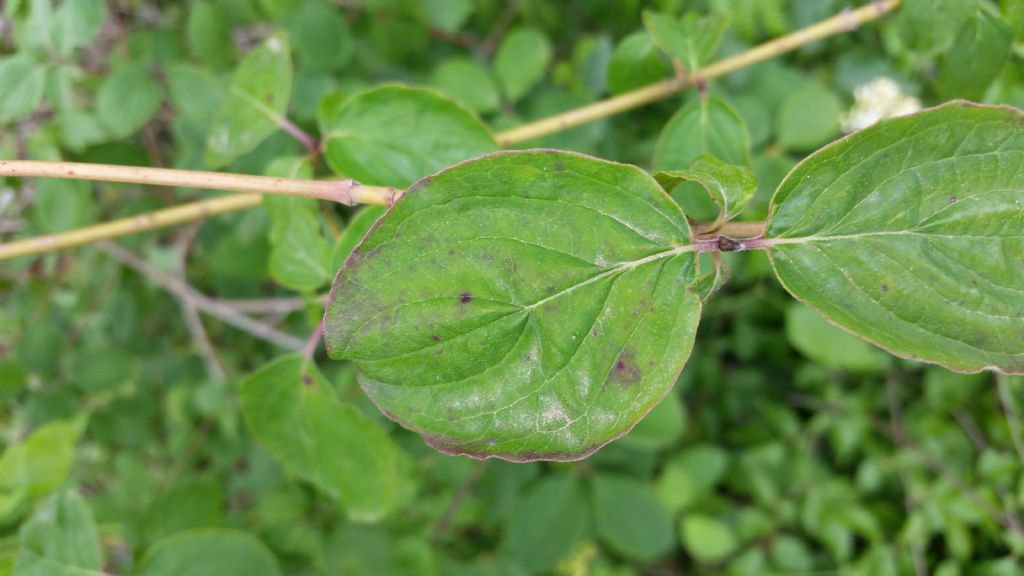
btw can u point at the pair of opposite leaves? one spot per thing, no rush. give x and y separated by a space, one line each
537 304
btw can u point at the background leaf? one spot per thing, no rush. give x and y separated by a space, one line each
521 61
202 552
709 126
255 103
393 136
292 411
60 540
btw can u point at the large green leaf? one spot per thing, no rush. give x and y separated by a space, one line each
393 136
911 234
526 305
255 104
60 540
293 411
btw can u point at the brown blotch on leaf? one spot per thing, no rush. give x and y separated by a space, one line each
465 297
885 287
559 166
953 199
307 380
435 338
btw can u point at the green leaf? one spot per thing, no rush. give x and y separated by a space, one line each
209 33
929 27
43 461
660 429
393 136
60 540
322 37
255 105
76 24
467 82
187 505
128 98
690 476
521 61
527 305
354 233
22 82
209 552
635 62
827 345
299 255
807 118
546 524
195 92
690 40
911 235
64 204
709 126
730 187
978 56
630 520
448 15
707 539
293 412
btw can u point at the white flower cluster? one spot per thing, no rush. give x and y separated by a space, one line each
877 100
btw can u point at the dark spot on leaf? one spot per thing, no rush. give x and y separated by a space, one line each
886 154
885 287
952 199
269 97
451 252
465 297
307 380
527 358
559 166
594 332
624 371
435 338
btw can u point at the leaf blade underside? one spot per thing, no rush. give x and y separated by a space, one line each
911 235
524 305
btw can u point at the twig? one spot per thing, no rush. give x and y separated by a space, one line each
1009 408
490 44
188 308
309 350
457 499
270 305
202 302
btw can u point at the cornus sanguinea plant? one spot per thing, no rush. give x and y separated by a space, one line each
536 304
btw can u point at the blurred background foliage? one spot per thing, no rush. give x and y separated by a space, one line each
787 446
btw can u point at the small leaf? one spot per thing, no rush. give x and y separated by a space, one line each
76 24
322 37
690 40
929 27
709 126
293 412
707 539
206 552
981 50
730 187
807 118
43 461
22 83
448 15
830 346
393 136
468 82
630 519
546 524
255 104
299 255
60 540
911 235
635 62
526 305
128 98
209 33
521 61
